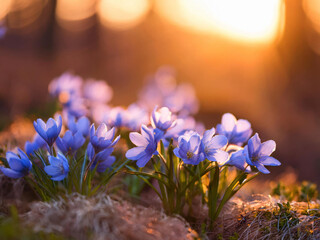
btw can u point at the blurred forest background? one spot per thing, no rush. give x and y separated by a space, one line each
258 59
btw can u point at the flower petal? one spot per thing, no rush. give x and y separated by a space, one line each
269 161
102 130
11 173
135 153
22 154
207 136
266 148
110 134
90 151
59 178
60 144
115 141
254 145
228 121
40 127
217 142
176 152
53 171
219 156
11 155
143 161
242 125
16 164
238 160
138 139
147 132
102 166
59 124
194 142
54 161
83 126
261 168
103 155
52 134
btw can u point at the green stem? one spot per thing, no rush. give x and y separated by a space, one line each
228 194
213 192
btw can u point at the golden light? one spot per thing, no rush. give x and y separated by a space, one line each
312 10
73 14
4 8
122 14
245 20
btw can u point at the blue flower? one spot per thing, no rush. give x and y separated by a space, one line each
37 143
189 148
211 147
102 138
103 158
136 117
162 119
82 125
106 164
20 165
48 131
66 87
70 142
117 117
76 107
146 146
163 90
182 100
257 154
237 131
58 168
97 91
238 159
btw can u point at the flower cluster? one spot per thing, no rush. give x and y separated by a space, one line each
51 157
176 150
78 96
194 148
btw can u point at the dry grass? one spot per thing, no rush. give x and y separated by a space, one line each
257 219
101 217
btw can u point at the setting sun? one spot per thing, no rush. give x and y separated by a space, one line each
247 20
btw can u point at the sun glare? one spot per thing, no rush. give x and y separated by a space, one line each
122 14
246 20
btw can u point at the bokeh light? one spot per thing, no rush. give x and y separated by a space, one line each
122 14
312 10
4 8
73 15
246 20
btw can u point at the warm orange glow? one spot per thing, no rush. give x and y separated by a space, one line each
73 10
64 97
4 8
312 10
74 15
122 14
245 20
